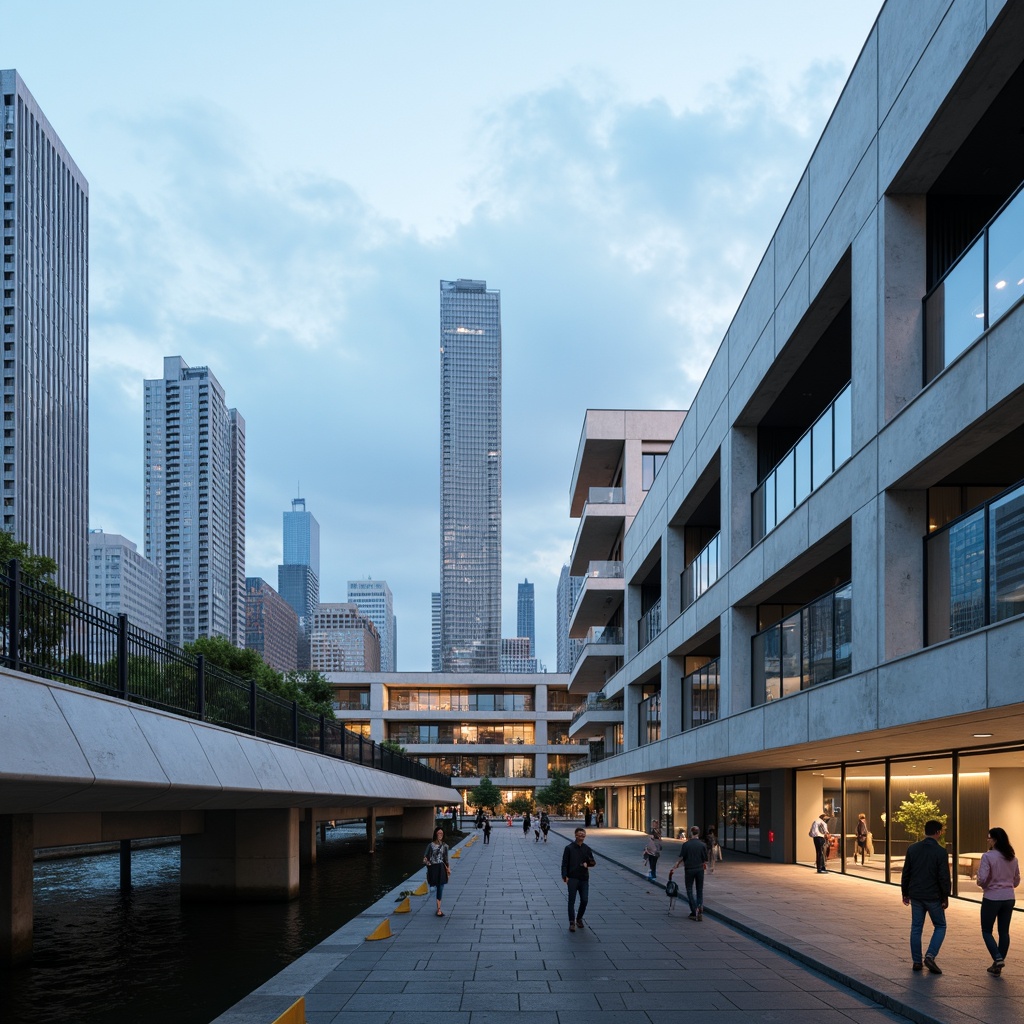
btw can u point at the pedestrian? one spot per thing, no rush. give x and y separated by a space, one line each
479 817
652 851
998 876
925 885
438 869
694 858
587 816
508 820
487 830
714 849
545 824
600 818
526 823
862 839
577 860
820 834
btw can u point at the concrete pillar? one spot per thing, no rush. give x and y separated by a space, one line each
739 624
903 522
126 865
243 855
16 848
414 823
307 838
371 830
672 697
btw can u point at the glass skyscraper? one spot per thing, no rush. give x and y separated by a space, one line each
298 579
45 338
526 619
470 477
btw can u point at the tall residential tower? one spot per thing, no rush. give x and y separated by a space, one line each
298 579
526 618
373 598
470 477
195 502
45 339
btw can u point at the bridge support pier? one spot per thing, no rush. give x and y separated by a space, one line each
17 840
242 855
307 838
371 829
413 823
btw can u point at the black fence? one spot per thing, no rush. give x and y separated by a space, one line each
45 633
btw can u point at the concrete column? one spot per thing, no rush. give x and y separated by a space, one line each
739 456
739 624
371 830
414 823
672 697
307 838
16 848
903 521
243 855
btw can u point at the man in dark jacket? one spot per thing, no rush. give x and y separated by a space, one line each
694 858
577 860
926 888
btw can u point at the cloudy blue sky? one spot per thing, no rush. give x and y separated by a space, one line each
276 190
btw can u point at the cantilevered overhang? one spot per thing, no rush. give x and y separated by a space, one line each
597 602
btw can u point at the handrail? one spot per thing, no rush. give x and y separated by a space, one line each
47 633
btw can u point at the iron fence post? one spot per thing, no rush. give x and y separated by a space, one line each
201 687
122 656
14 613
323 735
252 706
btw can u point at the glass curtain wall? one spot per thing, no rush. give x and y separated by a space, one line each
739 813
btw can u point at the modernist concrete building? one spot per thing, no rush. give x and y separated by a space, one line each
343 640
374 599
271 625
513 729
122 582
45 338
470 476
834 539
298 579
195 502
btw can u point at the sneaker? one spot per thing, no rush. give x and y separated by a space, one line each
572 926
700 913
997 967
917 967
579 922
693 917
929 962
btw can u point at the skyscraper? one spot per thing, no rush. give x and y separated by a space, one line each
344 640
526 619
45 339
122 582
195 502
470 477
568 649
298 579
374 600
271 625
435 632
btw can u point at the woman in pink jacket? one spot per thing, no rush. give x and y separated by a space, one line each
998 876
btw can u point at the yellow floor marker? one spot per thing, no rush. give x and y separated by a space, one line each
295 1014
403 907
456 855
422 890
382 931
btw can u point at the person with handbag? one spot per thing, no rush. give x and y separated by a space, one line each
438 869
998 876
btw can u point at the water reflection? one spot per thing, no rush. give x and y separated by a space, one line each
101 955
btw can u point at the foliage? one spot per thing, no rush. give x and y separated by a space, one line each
486 794
394 747
916 811
558 793
520 804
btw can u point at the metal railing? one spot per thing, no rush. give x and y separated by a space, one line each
46 633
598 703
649 625
606 496
701 573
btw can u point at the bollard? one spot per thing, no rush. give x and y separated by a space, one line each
382 931
403 907
422 890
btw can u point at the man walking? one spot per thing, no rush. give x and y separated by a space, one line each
577 860
926 888
819 833
694 858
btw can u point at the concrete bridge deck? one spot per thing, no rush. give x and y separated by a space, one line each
778 944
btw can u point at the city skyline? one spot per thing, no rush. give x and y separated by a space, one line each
302 264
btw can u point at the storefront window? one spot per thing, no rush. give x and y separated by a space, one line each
919 790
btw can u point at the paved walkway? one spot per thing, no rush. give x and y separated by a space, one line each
779 943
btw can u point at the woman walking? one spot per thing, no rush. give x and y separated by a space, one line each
438 871
998 876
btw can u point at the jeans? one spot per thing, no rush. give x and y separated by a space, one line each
819 851
581 886
991 912
934 909
652 866
695 879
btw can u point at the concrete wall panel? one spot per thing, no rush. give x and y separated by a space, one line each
1004 645
903 29
792 238
755 311
794 303
747 731
844 706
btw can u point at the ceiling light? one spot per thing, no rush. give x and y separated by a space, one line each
982 735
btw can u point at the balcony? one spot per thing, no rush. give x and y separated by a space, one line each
594 717
985 283
606 496
819 452
700 574
599 598
975 568
704 688
811 646
649 720
649 625
598 660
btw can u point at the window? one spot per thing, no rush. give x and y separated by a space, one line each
650 463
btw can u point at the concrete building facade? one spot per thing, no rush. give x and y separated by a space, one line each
195 502
833 541
374 599
45 315
470 476
512 729
343 640
123 582
271 625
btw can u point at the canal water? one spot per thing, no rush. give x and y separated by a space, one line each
103 956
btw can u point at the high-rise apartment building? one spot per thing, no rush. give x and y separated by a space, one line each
344 640
122 582
567 649
195 502
435 632
373 598
515 655
298 579
470 476
526 618
271 625
45 339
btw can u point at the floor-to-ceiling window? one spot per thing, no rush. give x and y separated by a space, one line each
739 813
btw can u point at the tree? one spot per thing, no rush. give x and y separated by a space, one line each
520 804
558 793
486 794
915 811
395 748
